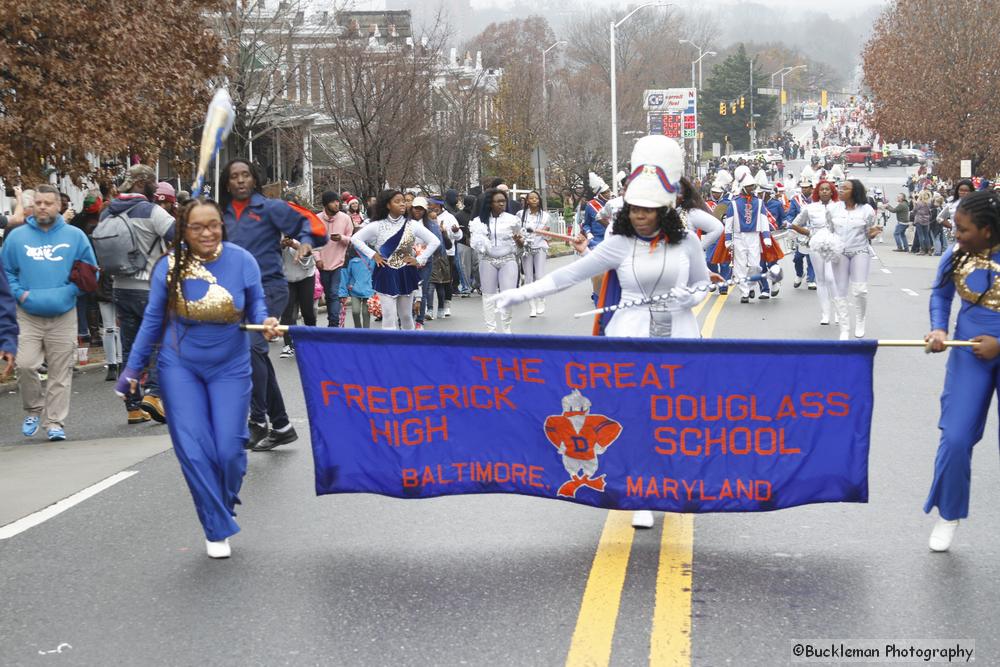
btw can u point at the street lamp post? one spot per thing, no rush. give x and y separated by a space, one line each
544 87
701 55
614 90
783 74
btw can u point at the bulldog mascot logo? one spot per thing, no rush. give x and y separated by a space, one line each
580 438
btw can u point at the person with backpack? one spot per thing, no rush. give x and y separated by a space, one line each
131 235
39 260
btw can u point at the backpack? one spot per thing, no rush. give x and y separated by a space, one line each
115 243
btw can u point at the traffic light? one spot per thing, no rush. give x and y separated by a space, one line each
732 107
822 98
722 108
742 101
852 100
784 96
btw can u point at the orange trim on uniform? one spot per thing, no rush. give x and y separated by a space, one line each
601 299
316 226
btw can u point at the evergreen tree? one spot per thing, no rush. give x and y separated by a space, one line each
729 82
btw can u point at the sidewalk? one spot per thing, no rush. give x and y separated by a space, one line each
95 361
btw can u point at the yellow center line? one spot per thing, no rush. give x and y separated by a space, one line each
595 626
670 641
696 311
670 638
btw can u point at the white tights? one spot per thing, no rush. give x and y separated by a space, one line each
853 269
394 307
533 265
493 280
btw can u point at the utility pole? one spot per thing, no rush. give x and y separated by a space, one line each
753 134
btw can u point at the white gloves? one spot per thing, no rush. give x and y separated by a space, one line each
504 300
768 242
683 299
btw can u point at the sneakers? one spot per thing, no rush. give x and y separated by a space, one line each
447 311
138 416
286 352
419 326
30 426
219 549
642 519
429 315
724 290
153 406
744 299
765 296
775 289
811 285
753 293
112 374
942 535
56 434
798 282
275 439
257 433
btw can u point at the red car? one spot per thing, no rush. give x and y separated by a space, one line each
863 155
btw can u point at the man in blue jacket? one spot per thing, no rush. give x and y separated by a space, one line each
37 260
257 224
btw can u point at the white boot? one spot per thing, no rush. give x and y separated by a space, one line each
824 304
506 317
860 291
447 308
942 535
642 519
541 306
534 308
219 549
843 317
489 315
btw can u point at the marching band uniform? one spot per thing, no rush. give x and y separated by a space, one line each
854 266
536 251
494 241
718 203
795 206
703 224
643 267
814 217
775 212
969 382
204 370
395 282
745 223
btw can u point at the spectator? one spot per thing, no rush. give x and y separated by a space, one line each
354 213
902 211
153 229
166 198
17 217
922 222
257 224
38 259
356 284
300 272
330 259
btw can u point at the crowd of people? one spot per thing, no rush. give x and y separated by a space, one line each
168 280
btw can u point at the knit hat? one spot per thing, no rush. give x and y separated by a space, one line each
657 166
165 192
92 202
451 196
330 196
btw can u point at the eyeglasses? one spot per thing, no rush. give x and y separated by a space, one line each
198 230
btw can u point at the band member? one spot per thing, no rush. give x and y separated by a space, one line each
534 218
649 253
857 228
746 229
496 236
801 260
819 215
967 268
718 203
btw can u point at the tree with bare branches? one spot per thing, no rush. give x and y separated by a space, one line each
931 67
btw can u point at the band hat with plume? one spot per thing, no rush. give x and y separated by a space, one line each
657 166
597 184
747 180
722 180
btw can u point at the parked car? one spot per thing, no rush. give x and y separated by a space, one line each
863 155
901 156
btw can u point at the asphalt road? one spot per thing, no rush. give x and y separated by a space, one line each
121 578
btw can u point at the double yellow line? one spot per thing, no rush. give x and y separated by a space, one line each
670 637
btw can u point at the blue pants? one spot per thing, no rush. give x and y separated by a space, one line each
724 270
969 386
798 260
426 291
899 235
331 292
267 402
208 427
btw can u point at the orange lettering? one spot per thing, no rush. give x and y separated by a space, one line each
353 393
786 409
844 405
381 400
329 388
531 374
410 478
422 400
622 376
661 436
633 486
807 402
650 377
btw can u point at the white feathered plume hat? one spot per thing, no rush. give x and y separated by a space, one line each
597 184
657 166
722 180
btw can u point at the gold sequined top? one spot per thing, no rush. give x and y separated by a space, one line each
405 249
981 262
215 306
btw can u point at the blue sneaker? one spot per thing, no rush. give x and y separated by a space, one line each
56 434
30 426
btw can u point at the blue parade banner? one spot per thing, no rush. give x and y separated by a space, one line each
678 426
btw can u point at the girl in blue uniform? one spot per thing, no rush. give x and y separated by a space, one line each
200 292
972 269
